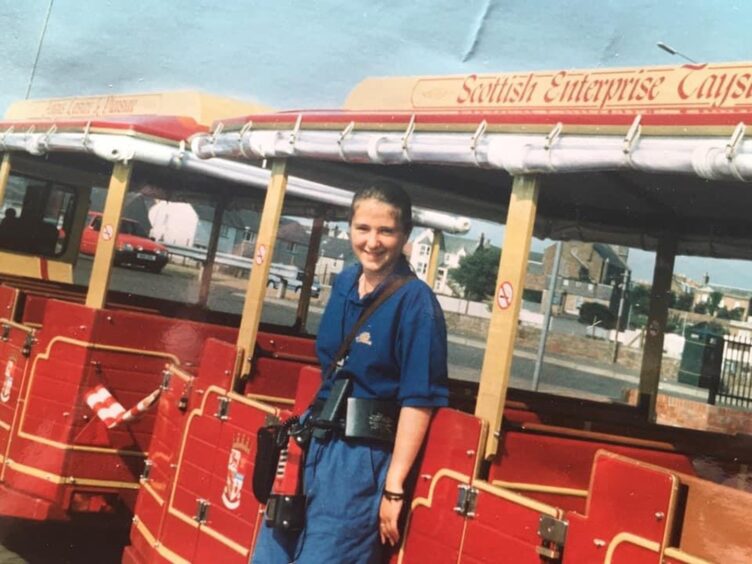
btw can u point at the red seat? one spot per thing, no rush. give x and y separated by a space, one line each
629 513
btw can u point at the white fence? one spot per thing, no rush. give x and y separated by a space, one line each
464 307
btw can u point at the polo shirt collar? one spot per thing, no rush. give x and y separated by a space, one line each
402 268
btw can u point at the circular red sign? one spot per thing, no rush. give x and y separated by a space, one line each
260 254
504 295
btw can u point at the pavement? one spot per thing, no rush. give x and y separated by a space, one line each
613 371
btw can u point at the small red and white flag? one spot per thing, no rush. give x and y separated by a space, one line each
110 411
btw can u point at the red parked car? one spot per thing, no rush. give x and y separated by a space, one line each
134 247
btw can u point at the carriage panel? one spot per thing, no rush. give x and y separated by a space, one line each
434 530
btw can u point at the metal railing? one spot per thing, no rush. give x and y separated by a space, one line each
199 255
734 386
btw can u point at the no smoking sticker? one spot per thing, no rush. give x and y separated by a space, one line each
504 295
260 254
107 232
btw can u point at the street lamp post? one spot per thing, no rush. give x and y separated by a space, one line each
671 51
547 316
39 49
624 289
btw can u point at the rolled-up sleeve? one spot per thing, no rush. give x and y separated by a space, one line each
422 349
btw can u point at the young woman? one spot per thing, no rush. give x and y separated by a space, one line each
355 487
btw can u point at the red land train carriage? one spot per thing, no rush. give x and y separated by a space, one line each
537 477
85 348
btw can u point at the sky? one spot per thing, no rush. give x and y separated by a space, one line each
290 54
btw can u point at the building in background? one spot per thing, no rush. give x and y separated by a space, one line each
334 254
588 272
452 251
734 301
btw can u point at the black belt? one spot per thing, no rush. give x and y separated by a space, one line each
371 419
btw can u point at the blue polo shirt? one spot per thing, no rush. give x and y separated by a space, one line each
399 353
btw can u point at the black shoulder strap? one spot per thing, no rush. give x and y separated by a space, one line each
394 284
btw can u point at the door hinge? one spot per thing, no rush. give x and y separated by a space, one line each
6 333
553 534
166 377
467 500
223 408
202 509
146 472
26 349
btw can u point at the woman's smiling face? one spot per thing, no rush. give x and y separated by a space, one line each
377 236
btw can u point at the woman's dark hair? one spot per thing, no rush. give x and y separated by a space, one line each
389 193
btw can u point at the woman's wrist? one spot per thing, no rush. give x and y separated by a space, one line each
395 476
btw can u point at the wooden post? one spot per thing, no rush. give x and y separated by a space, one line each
304 300
435 260
262 258
660 300
211 252
101 269
502 330
4 176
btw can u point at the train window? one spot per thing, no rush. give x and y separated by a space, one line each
155 255
584 340
36 216
234 260
163 245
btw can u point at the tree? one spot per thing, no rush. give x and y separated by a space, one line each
476 274
723 313
639 297
714 300
674 323
638 321
683 301
701 307
593 313
737 314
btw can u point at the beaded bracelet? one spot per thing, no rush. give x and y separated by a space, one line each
393 496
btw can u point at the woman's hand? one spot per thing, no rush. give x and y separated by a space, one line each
389 513
411 429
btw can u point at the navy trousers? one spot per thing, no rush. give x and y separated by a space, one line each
343 481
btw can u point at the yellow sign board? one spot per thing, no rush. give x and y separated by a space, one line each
203 108
689 88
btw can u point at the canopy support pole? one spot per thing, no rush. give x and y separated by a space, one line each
314 243
502 330
101 269
4 175
211 252
433 263
262 258
546 327
660 300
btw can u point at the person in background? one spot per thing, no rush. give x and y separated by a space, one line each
356 486
8 228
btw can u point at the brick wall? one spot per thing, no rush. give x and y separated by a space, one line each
680 412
